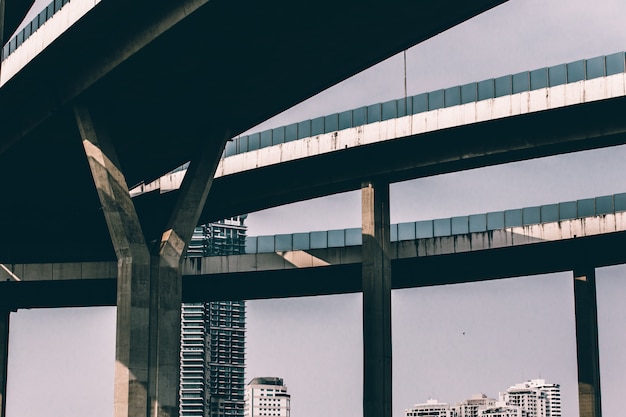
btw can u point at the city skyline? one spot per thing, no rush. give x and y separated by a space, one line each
488 396
531 398
461 333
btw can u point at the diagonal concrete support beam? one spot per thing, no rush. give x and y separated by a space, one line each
586 310
376 300
4 356
167 280
133 276
149 281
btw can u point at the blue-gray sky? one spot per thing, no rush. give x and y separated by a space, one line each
61 361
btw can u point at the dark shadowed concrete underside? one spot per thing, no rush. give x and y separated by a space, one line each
225 66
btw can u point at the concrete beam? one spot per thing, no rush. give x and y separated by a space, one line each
133 270
4 356
589 398
376 270
166 289
149 289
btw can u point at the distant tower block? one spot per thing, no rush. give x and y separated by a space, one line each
267 396
535 397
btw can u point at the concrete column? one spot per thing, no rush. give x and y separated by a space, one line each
4 356
133 275
167 280
587 343
376 301
149 282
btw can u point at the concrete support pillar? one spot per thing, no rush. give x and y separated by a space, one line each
4 356
167 280
149 281
376 300
587 343
133 270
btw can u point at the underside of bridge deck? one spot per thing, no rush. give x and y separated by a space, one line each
166 79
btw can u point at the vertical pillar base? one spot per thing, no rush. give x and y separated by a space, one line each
149 292
589 401
376 275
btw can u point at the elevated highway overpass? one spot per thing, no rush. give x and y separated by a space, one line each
542 112
113 107
170 80
504 244
569 107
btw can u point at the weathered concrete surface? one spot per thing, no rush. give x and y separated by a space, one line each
576 116
59 271
376 275
549 98
166 282
133 272
408 249
585 303
464 258
149 283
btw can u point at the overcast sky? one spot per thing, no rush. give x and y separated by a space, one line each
448 342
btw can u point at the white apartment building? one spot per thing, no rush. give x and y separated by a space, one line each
432 408
535 397
553 396
266 396
474 405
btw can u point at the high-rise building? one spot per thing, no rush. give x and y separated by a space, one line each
432 408
212 358
226 237
535 397
267 396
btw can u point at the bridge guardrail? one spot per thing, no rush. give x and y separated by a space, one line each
41 18
584 69
423 229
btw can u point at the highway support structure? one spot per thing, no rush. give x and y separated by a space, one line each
588 354
376 276
149 282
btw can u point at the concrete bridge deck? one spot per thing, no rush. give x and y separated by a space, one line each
477 247
564 108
